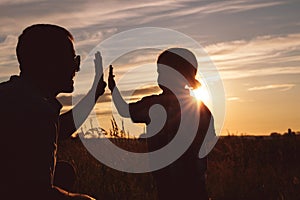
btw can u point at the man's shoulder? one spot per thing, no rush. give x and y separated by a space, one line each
16 97
5 85
7 90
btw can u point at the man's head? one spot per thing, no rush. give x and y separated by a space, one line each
46 55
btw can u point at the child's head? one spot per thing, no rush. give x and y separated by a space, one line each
183 61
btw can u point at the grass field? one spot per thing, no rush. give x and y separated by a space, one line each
239 168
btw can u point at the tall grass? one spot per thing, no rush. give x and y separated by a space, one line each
239 168
101 181
255 168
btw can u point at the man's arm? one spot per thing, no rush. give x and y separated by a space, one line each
67 124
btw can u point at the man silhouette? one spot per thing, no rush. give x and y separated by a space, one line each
185 177
31 123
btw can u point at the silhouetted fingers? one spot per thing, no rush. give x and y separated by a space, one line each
97 59
98 55
111 73
98 65
111 81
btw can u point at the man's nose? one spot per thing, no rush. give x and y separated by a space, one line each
77 63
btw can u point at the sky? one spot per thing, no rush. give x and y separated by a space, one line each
254 44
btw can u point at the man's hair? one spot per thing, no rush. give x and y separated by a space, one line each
39 44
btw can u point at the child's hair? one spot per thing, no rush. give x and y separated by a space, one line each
182 60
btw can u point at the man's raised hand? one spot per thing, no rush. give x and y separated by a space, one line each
99 75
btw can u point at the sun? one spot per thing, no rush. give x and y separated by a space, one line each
201 94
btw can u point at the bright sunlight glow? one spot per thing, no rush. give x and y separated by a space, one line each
201 94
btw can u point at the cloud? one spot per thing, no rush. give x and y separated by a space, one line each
260 56
68 100
86 40
106 113
89 21
80 14
233 99
282 87
212 7
86 15
18 2
93 21
141 92
8 60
